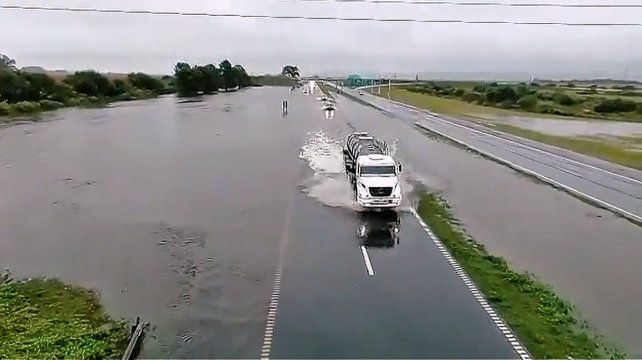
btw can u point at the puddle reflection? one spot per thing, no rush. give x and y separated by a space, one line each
379 229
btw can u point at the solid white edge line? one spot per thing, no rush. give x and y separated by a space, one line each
546 179
519 349
366 259
437 117
542 151
627 214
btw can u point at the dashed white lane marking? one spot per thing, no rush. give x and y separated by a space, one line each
268 335
501 325
273 306
625 213
366 259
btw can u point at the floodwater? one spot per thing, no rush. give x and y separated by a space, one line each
572 127
175 209
589 255
172 209
180 212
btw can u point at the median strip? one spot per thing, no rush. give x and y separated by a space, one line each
637 219
634 218
548 326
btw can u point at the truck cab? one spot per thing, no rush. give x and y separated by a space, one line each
374 173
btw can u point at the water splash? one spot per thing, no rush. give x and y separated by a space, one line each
394 147
329 184
323 154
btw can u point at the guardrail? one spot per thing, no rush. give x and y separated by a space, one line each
134 340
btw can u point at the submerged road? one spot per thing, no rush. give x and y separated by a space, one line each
407 302
198 216
605 184
588 254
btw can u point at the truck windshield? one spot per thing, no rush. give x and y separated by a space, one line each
378 170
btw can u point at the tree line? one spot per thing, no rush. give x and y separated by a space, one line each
24 92
209 79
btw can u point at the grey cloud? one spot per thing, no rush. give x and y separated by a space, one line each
116 42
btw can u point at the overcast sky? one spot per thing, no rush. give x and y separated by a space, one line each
124 43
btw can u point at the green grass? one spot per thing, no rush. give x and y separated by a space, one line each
48 319
453 106
596 147
548 326
447 106
273 80
619 153
12 112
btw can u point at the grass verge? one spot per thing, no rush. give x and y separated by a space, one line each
612 152
599 148
458 107
18 111
273 80
449 106
548 326
48 319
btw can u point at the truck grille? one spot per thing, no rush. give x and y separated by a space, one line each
380 191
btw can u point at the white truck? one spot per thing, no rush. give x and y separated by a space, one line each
374 174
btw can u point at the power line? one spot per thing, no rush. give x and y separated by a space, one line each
485 3
301 17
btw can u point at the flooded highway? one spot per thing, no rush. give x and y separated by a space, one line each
181 211
589 255
414 306
172 209
606 184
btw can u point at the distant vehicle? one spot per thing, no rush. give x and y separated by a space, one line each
324 98
361 92
328 106
373 172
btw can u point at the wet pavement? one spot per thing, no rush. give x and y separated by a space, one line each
606 184
414 306
181 211
173 210
589 255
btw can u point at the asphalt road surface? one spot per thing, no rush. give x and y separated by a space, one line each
414 306
183 212
614 187
588 254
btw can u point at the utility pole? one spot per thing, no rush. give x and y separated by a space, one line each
389 85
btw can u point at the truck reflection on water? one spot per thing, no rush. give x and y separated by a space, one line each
379 229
